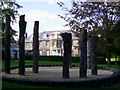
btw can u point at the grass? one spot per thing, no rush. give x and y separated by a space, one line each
113 59
29 62
13 85
112 66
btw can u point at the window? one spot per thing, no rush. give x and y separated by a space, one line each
59 44
40 52
53 52
40 44
47 43
26 44
47 52
58 51
54 44
55 36
52 35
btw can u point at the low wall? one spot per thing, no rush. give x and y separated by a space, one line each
102 82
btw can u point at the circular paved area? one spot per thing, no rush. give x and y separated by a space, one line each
55 74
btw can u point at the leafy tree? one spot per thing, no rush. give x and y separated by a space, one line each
90 15
110 46
10 8
117 38
99 18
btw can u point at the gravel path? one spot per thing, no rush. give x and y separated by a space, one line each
55 74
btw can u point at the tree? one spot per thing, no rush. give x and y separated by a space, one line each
99 18
10 8
110 46
117 40
90 15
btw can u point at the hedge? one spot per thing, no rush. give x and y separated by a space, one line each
51 58
101 60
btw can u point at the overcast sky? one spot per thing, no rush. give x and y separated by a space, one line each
44 11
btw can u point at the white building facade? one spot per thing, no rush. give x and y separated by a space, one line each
51 43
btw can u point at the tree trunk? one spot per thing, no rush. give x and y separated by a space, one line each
22 26
7 45
83 55
116 59
36 47
67 38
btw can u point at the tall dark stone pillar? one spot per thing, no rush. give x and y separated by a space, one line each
22 27
36 47
94 55
89 49
67 38
7 45
70 55
91 53
83 55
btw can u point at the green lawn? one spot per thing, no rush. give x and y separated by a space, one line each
113 59
112 66
12 85
29 62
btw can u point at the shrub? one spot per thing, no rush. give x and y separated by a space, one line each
77 55
115 62
76 59
101 60
28 57
51 58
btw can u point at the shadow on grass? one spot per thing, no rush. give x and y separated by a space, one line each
10 85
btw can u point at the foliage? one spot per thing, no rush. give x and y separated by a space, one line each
90 15
77 55
10 8
99 18
110 41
